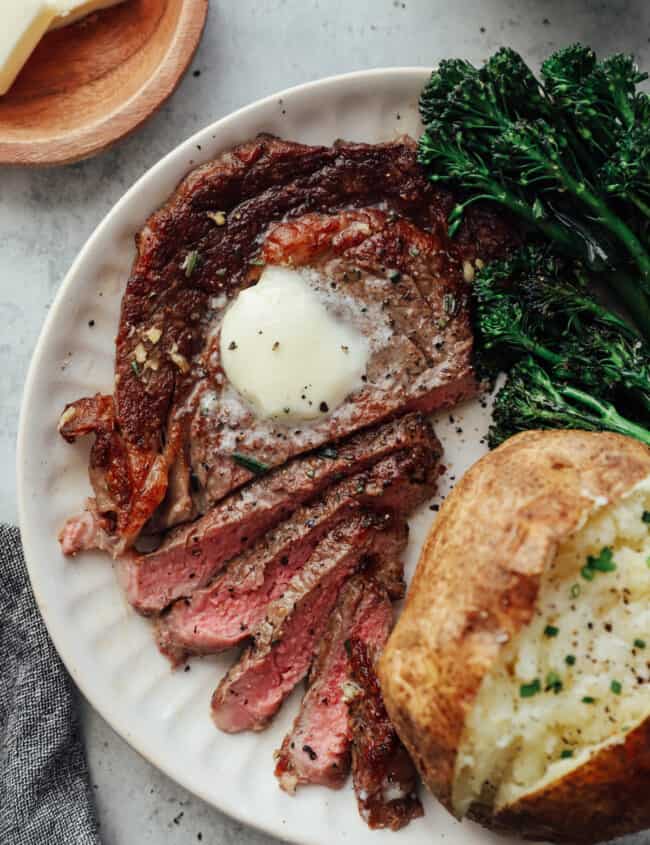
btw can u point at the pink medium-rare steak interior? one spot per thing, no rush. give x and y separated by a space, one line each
317 749
160 457
221 615
192 555
285 642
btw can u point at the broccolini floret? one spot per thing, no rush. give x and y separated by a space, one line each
531 399
535 305
568 154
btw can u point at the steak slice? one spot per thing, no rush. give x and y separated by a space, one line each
195 254
191 555
317 749
385 779
221 615
285 642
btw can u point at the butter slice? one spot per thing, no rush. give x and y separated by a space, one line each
71 11
24 22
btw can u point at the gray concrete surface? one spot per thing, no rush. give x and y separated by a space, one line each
251 48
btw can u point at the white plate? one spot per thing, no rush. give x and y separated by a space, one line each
108 648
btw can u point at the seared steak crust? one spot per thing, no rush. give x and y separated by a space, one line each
191 555
194 255
385 779
317 749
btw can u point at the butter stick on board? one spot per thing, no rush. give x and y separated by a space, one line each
71 11
24 22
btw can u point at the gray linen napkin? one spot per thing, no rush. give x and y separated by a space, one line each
45 796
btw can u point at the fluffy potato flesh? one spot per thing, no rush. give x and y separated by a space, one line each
577 677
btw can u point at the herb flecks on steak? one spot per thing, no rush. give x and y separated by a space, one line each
193 554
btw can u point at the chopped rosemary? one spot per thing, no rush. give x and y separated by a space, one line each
588 700
450 304
190 262
135 368
250 463
616 687
570 660
328 452
395 276
646 517
551 631
566 754
639 643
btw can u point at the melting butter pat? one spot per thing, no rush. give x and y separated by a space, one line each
70 11
24 22
286 353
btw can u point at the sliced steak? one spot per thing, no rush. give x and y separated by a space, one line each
191 555
221 615
198 251
285 642
317 749
385 779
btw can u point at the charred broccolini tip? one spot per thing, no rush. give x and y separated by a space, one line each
602 105
609 364
561 154
597 97
505 326
553 290
531 399
535 303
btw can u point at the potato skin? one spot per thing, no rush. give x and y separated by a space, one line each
610 793
475 588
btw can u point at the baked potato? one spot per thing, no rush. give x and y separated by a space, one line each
518 675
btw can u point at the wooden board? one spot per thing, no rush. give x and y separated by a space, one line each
90 84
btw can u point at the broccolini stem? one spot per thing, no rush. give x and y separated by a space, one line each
644 399
612 221
632 297
498 193
643 207
543 352
612 420
607 317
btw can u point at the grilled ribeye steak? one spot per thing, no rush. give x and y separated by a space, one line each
399 289
317 749
285 642
221 615
384 776
191 555
164 443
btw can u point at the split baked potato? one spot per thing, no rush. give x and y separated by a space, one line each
518 675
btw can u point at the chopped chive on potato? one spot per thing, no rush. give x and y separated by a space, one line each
587 647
